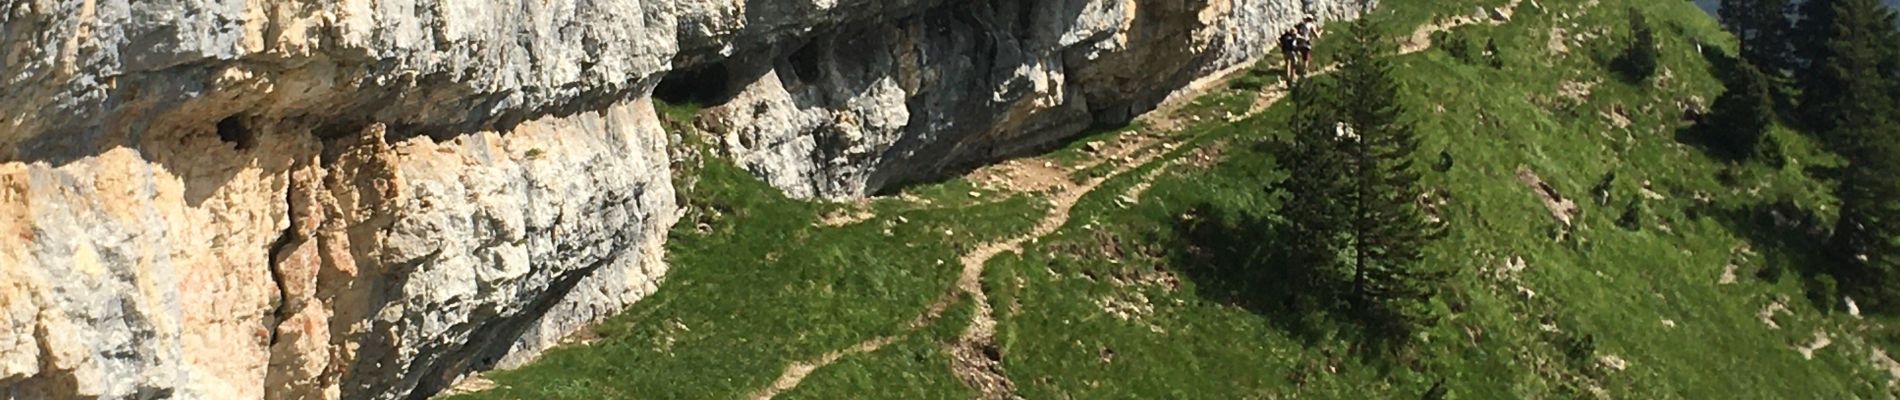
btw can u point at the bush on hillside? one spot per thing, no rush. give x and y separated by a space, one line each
1640 58
1743 114
1823 291
1633 215
1491 53
1770 273
1770 152
1602 189
1456 43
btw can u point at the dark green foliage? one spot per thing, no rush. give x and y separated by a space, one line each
1853 101
1393 286
1314 221
1640 58
1492 55
1456 43
1743 114
1770 273
1602 189
1578 348
1358 157
1762 29
1867 237
1437 392
1824 291
1809 41
1770 152
1632 218
1849 50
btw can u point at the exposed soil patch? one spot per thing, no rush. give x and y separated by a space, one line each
1421 38
1886 363
1023 175
1560 207
1577 92
859 212
1820 341
1768 312
1557 44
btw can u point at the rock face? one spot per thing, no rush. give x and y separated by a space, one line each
285 270
369 199
855 109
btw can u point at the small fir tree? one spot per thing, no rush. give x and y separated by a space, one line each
1762 29
1742 114
1391 285
1640 59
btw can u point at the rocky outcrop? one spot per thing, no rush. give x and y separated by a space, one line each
856 109
369 199
359 266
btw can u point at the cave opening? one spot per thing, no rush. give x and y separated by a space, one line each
709 84
807 62
233 129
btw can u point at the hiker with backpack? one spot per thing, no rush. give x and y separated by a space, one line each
1296 45
1308 31
1290 49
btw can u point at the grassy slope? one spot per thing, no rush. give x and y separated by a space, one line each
727 322
1614 288
758 282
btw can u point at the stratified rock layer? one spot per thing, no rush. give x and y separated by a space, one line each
371 269
369 199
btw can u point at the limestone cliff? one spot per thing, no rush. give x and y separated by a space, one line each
859 108
371 198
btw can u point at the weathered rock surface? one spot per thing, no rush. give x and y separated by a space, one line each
856 109
281 271
368 199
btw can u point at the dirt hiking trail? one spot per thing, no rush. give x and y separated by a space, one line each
975 358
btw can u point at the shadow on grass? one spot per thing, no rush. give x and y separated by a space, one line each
1704 132
1707 136
963 165
1708 132
1789 239
1232 258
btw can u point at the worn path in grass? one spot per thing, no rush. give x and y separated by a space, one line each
1421 38
974 356
973 363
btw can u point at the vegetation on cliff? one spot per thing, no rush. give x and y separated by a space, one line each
1597 241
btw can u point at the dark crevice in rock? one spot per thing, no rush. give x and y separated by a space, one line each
288 240
710 84
234 129
807 62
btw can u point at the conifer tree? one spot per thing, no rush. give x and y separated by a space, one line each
1763 30
1315 217
1391 285
1850 75
1640 59
1863 122
1742 114
1810 33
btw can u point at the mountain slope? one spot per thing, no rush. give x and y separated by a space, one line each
1684 276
